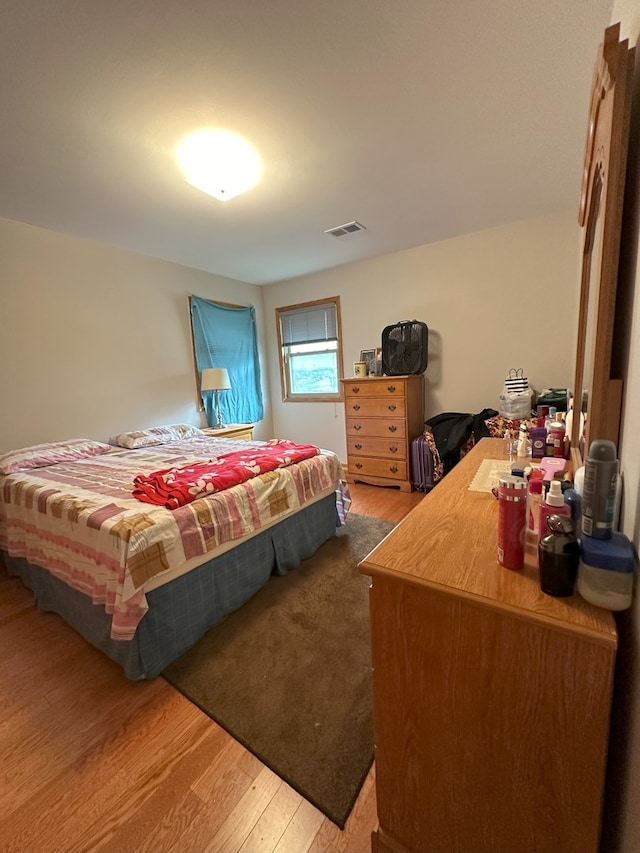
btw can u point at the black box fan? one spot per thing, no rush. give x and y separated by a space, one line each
405 348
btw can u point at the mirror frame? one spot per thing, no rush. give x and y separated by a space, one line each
600 215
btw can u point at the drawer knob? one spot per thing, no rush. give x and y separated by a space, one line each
358 464
356 408
392 407
358 446
357 426
392 428
393 448
355 389
391 388
394 469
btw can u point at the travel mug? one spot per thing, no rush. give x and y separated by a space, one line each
512 515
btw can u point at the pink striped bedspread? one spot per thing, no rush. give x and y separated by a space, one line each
80 520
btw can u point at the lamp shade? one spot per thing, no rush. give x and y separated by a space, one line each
215 379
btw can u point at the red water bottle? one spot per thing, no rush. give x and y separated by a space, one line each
512 506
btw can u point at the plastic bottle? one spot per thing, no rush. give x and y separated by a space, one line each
600 487
574 502
538 440
553 504
558 556
522 441
556 434
550 417
534 500
568 423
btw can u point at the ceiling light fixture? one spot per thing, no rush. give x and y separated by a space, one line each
219 163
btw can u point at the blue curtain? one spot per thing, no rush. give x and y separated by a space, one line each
227 337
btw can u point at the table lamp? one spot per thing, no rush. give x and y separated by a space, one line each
215 379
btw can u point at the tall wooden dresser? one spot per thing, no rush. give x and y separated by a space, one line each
491 699
383 415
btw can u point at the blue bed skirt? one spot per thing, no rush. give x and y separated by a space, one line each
181 611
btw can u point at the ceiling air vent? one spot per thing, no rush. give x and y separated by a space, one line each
343 230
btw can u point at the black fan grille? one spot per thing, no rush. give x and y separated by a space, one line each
404 349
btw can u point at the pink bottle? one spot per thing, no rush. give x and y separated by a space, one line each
534 502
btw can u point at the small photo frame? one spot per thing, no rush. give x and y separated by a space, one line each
373 359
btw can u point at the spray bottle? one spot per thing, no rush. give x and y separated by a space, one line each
600 487
553 504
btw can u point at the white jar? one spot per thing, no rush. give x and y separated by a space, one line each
605 572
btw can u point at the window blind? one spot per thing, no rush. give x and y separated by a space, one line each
310 324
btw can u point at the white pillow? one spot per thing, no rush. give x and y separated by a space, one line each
41 455
155 435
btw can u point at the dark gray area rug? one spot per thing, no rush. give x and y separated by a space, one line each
289 673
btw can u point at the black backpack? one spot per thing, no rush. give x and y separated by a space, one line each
451 431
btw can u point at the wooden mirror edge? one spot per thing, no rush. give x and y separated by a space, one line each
604 169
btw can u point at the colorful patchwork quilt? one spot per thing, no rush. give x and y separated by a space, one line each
81 520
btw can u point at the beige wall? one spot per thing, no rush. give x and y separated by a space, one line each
95 340
496 299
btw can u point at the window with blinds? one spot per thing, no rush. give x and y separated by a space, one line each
310 350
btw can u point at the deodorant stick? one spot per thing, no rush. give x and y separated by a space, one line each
600 484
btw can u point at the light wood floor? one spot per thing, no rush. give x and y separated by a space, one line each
93 762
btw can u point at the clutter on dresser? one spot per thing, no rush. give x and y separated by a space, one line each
569 523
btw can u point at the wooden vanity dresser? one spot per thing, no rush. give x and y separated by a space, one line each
491 699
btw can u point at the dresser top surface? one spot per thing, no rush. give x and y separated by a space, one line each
412 377
448 541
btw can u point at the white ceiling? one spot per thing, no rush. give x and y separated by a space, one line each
421 119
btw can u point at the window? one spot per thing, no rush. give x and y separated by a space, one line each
225 336
309 336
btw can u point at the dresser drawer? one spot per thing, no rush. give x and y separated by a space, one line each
375 407
389 468
389 448
376 427
388 387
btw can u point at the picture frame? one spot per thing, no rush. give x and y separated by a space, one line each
373 359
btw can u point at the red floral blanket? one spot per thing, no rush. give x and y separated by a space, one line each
174 487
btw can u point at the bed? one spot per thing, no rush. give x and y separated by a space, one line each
141 582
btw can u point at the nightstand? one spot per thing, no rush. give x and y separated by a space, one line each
239 431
